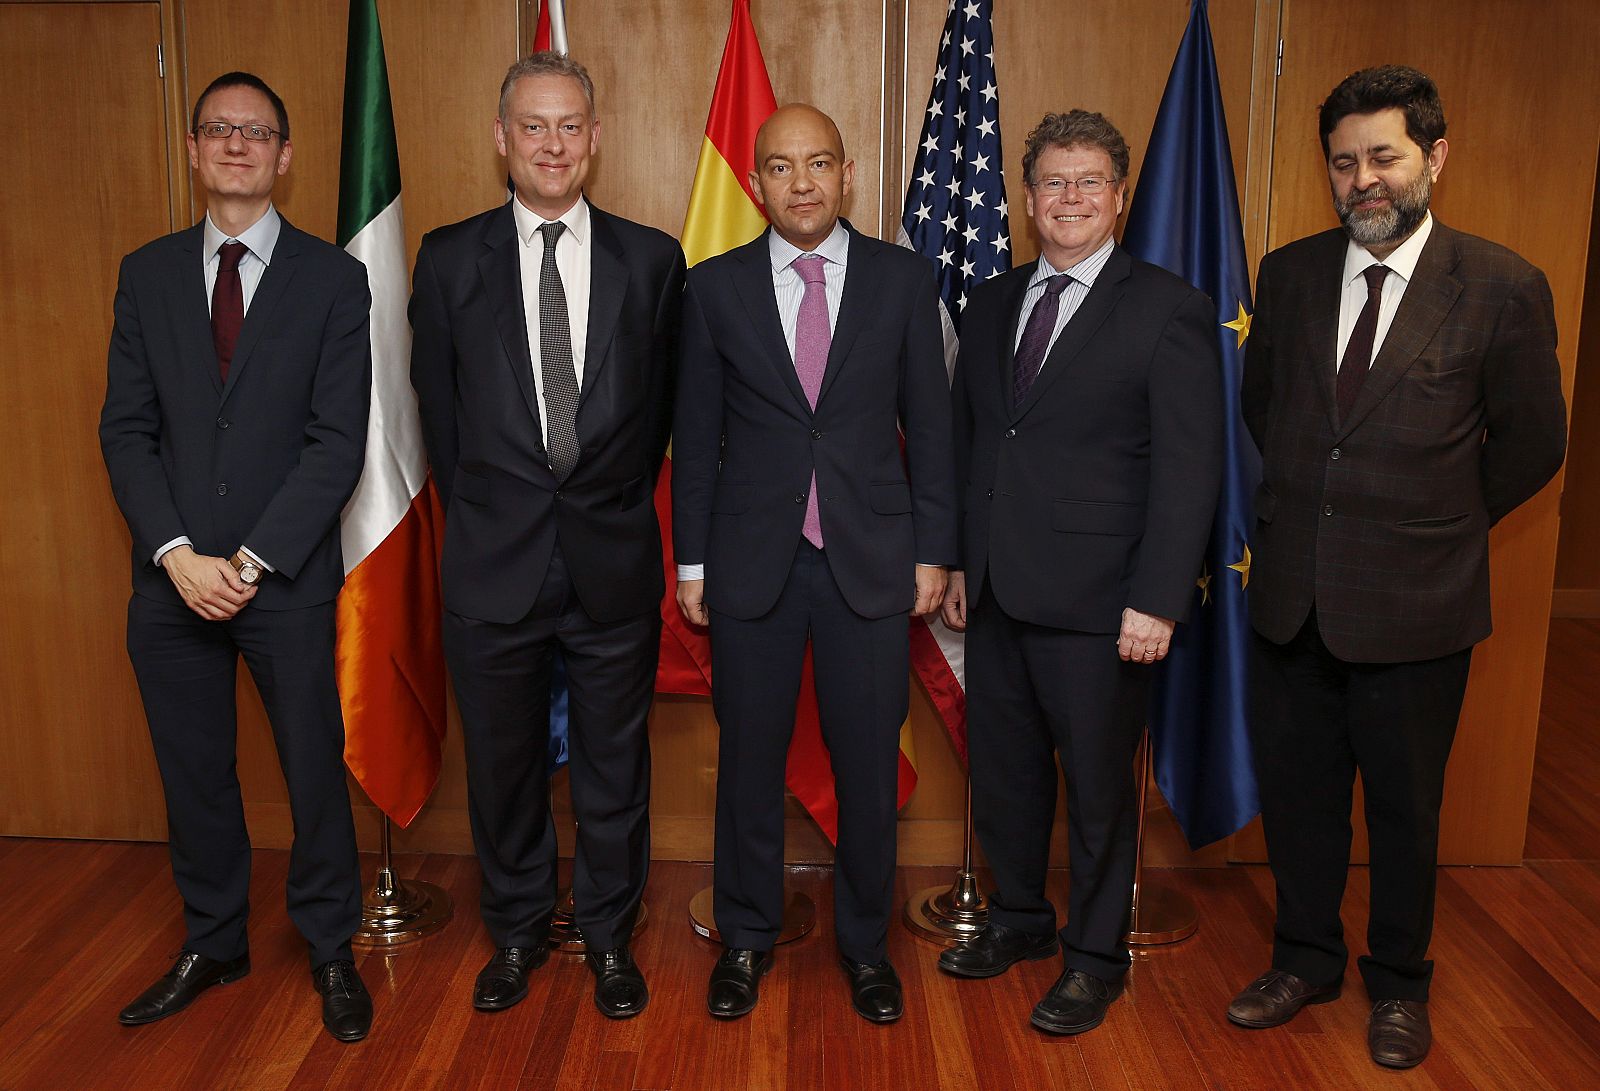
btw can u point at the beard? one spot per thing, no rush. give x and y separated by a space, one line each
1391 223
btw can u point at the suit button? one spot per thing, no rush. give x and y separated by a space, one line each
1327 509
222 490
559 495
988 492
222 422
815 434
1334 454
1011 433
799 498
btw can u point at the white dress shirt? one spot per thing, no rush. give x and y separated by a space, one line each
1083 277
574 258
1353 295
261 238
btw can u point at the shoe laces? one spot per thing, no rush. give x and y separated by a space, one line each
339 974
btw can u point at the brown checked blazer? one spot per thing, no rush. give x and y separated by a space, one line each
1382 521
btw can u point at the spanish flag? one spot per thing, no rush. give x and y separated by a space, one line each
723 214
389 656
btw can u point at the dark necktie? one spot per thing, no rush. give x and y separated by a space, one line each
1036 338
227 304
1358 353
555 361
812 340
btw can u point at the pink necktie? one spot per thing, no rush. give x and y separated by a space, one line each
812 339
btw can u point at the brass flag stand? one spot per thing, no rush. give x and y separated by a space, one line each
399 911
1159 914
799 916
956 913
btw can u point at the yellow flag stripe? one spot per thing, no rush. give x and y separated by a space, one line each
721 215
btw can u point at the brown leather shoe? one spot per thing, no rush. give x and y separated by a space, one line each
1398 1034
1276 997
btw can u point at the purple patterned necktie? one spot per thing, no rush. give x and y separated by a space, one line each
812 339
1358 350
1036 338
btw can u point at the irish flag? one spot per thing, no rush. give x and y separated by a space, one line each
390 663
723 214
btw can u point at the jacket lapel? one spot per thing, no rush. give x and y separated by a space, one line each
754 285
1015 288
1431 293
501 269
608 284
1325 275
192 308
854 307
1091 313
274 280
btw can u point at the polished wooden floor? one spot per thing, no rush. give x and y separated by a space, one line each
84 926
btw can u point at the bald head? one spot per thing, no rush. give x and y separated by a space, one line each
801 176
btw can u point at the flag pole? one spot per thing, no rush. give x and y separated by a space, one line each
956 913
398 911
1158 913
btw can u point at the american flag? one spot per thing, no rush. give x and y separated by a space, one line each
955 215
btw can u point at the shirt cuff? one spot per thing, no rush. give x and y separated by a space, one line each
182 539
691 572
256 559
920 564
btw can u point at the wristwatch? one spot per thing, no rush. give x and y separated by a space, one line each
249 571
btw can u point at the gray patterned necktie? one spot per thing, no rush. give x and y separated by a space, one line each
555 361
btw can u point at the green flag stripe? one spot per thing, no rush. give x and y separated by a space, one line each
369 161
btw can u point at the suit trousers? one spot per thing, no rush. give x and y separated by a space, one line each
187 670
502 674
1035 693
1316 721
863 694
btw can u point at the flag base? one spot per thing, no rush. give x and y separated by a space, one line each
399 911
1161 915
799 917
948 914
565 935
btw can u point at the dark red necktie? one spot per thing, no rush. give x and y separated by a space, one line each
227 304
1358 353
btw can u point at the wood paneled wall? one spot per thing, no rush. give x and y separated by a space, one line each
76 761
1577 591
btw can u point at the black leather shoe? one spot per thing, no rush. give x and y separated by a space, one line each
504 979
619 990
874 990
1398 1034
346 1003
190 976
736 982
1276 997
1075 1003
995 950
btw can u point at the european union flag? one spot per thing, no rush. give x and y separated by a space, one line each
1185 218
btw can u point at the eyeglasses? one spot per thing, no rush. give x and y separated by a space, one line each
1055 187
221 130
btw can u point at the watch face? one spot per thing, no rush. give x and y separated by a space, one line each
250 572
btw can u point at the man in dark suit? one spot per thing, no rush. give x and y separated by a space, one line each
1370 579
796 516
234 431
1089 431
545 338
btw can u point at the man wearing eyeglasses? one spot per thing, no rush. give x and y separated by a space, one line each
234 430
1088 425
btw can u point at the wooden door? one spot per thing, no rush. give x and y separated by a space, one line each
86 182
1522 101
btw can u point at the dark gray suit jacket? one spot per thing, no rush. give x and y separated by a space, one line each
266 460
473 373
1382 521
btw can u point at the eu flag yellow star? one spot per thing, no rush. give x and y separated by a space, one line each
1241 326
1242 566
1204 583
